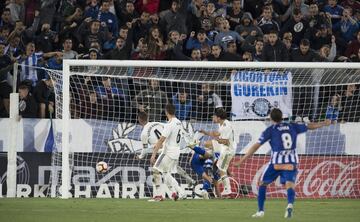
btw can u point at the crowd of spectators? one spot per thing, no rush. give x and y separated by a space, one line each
43 33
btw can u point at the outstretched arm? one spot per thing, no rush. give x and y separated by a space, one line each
249 153
313 126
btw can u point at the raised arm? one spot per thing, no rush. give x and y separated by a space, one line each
249 153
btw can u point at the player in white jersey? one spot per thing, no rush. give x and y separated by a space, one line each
168 159
150 134
224 143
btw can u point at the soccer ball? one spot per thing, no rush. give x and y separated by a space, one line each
102 167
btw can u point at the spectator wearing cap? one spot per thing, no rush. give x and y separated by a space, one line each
266 23
297 25
353 47
234 14
183 104
304 53
201 39
45 97
5 88
226 35
296 4
28 107
174 18
275 50
334 11
247 28
319 37
345 28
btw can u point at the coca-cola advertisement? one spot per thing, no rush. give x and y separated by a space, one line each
318 177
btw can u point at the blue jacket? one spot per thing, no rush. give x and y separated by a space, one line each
182 110
193 43
111 22
92 12
347 29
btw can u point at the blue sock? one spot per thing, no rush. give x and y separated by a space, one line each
291 195
199 150
206 185
261 197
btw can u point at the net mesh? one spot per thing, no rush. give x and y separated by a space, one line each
105 101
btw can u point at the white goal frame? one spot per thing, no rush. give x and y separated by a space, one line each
65 187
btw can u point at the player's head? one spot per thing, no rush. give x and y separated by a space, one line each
276 115
142 118
219 115
169 110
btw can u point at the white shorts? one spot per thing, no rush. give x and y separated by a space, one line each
225 155
164 164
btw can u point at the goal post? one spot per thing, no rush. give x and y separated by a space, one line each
312 85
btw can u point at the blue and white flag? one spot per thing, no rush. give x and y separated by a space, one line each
255 93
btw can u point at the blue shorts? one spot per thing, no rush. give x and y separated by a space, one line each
270 174
197 164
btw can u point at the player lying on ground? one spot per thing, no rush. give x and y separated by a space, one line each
284 159
169 157
150 134
224 143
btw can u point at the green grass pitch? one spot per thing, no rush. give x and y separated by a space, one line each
105 210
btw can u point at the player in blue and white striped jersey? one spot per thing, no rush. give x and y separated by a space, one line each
284 159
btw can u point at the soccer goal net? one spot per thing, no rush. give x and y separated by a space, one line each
98 104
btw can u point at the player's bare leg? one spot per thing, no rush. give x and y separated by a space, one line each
290 187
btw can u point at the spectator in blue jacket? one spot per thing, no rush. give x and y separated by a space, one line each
107 18
183 104
201 39
346 29
333 10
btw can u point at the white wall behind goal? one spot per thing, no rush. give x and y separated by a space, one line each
337 139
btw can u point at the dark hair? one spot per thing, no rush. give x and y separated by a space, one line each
170 109
124 27
221 113
296 11
143 116
274 32
276 115
305 42
6 10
